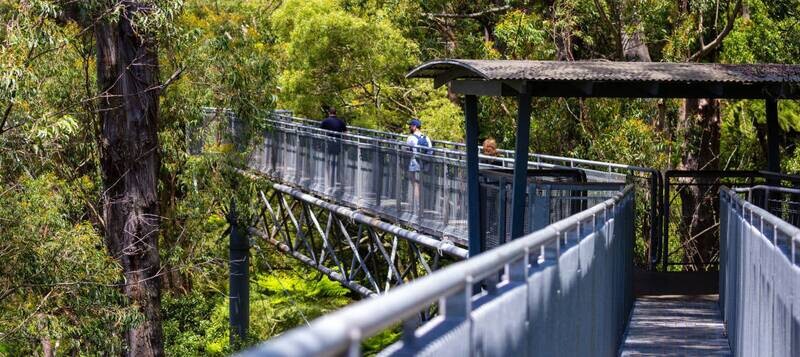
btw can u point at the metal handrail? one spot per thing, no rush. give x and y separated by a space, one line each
601 170
764 215
767 188
507 153
758 277
343 330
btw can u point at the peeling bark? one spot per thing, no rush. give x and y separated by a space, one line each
127 75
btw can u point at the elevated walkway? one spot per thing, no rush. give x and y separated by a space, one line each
566 290
676 326
563 289
367 170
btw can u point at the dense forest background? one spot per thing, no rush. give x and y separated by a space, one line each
64 279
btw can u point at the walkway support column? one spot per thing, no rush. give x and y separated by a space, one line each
476 245
239 286
520 183
773 132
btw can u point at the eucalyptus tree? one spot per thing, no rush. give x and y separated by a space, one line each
127 103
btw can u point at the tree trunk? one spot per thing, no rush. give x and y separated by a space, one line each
634 48
700 125
127 76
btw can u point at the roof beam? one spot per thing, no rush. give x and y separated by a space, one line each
448 76
625 89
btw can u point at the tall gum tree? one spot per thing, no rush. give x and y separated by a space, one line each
699 121
127 105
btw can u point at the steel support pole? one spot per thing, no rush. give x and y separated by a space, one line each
773 131
520 165
239 304
476 246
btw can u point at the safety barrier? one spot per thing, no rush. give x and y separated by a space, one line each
424 188
782 202
562 290
597 171
372 174
551 195
759 275
440 208
648 181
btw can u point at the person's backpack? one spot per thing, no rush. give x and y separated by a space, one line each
422 140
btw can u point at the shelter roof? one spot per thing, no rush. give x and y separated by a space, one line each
615 79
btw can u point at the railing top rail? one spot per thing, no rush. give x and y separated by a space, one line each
354 138
502 151
438 153
767 188
779 224
335 332
368 130
598 163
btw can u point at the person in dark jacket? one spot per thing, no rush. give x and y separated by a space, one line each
333 123
334 145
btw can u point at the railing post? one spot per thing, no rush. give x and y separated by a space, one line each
655 222
239 287
665 224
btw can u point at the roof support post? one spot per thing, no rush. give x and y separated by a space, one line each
773 131
520 165
239 283
476 246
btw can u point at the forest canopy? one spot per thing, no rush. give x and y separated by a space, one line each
66 278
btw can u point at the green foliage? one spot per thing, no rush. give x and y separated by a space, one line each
633 143
57 283
375 344
442 120
763 37
197 323
524 36
325 61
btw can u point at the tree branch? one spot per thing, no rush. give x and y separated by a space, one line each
615 29
711 46
472 15
174 77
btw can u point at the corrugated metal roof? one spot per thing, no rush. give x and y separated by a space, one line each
607 71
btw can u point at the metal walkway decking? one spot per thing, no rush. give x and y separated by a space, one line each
676 326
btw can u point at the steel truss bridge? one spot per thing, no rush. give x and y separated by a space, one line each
346 205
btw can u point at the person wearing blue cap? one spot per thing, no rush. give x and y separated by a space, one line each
417 140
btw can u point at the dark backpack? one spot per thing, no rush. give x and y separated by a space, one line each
422 140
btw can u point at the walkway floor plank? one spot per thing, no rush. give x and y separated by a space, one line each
676 326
